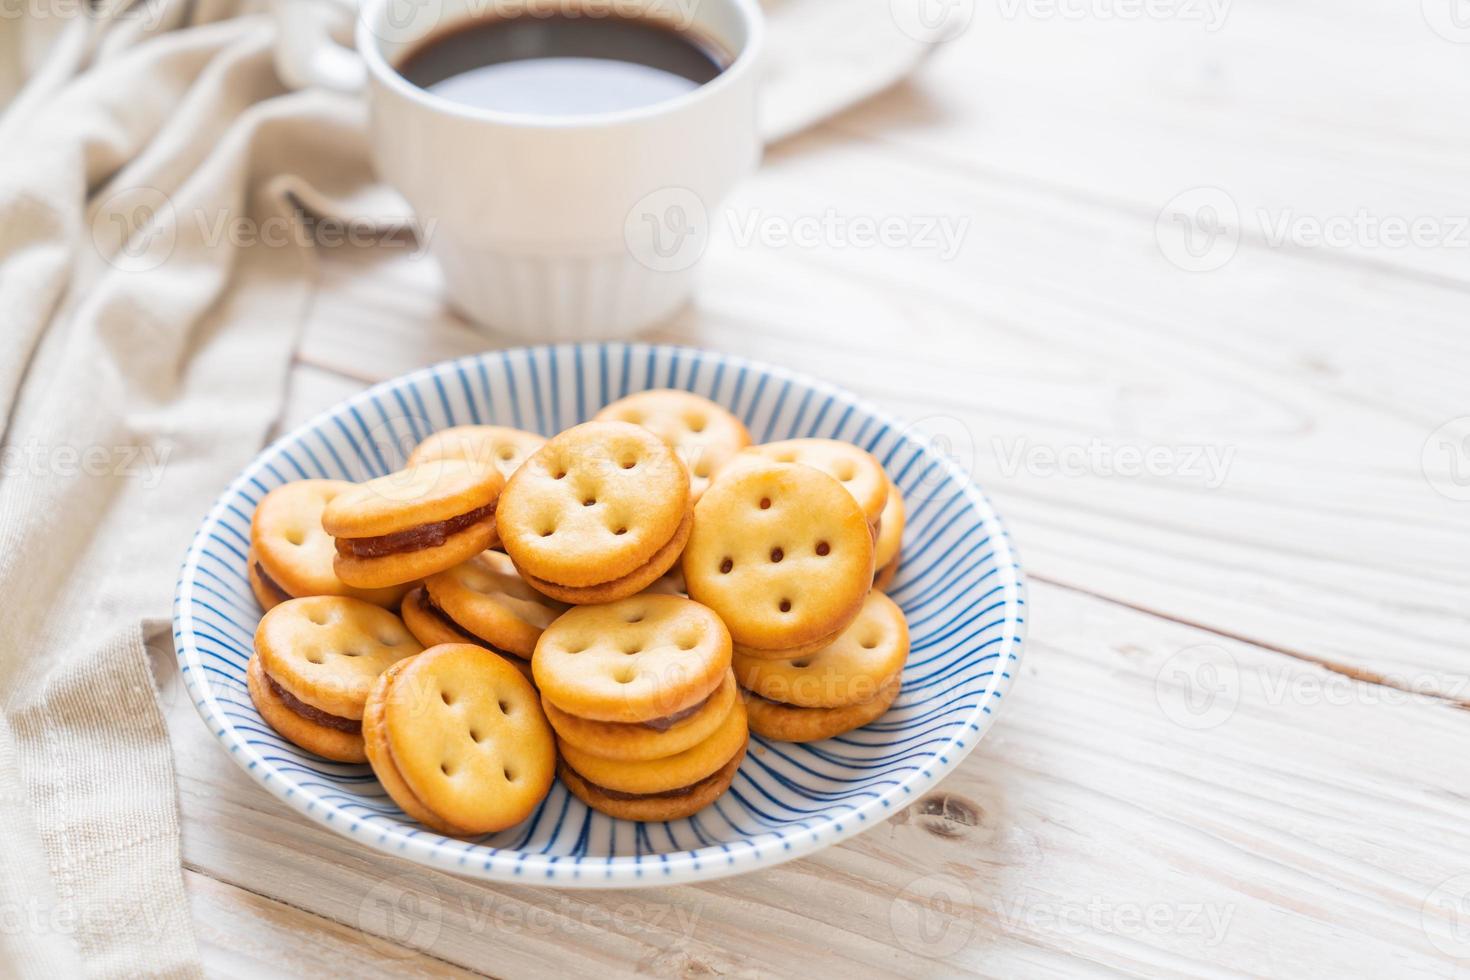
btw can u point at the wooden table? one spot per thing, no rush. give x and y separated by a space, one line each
1239 743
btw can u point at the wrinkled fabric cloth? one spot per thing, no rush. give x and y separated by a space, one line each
156 262
146 328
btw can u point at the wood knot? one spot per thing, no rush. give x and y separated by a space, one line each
948 816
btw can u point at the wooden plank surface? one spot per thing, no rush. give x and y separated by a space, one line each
1107 822
1238 744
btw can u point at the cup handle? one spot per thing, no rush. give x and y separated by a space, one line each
307 50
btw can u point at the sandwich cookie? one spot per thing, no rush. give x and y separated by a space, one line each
788 723
457 738
656 738
646 658
406 525
890 539
266 591
290 555
783 554
316 658
841 687
644 705
661 789
852 669
597 514
485 598
489 445
640 679
431 626
704 435
854 468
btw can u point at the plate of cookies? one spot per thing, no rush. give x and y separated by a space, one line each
600 615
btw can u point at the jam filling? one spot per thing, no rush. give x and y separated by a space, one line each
429 606
271 585
617 794
430 535
432 609
317 715
669 721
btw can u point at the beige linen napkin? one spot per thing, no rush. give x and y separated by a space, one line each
145 332
154 269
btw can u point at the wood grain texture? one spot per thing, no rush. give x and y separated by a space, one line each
1293 836
1239 743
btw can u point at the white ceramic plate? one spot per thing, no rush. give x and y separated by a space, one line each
960 585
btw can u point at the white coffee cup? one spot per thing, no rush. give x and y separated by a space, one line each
547 227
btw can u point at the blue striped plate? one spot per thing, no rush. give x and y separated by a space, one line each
960 584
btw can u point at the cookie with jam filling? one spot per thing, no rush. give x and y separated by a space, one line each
640 693
316 658
415 522
291 556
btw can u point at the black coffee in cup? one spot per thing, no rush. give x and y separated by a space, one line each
562 64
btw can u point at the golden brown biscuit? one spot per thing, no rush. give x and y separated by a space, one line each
485 598
266 591
674 805
406 525
431 627
883 577
704 435
854 468
600 505
669 773
290 554
640 659
318 657
674 776
890 531
340 741
639 580
457 738
428 623
375 742
639 741
784 555
490 445
850 670
789 723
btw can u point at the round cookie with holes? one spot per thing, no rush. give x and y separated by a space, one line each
457 738
852 669
316 658
704 435
418 521
854 468
431 626
485 598
648 660
790 723
669 788
490 445
597 514
290 555
783 554
890 539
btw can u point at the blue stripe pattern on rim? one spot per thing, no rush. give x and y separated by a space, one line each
960 584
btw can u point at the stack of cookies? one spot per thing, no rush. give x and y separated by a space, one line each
649 725
619 605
